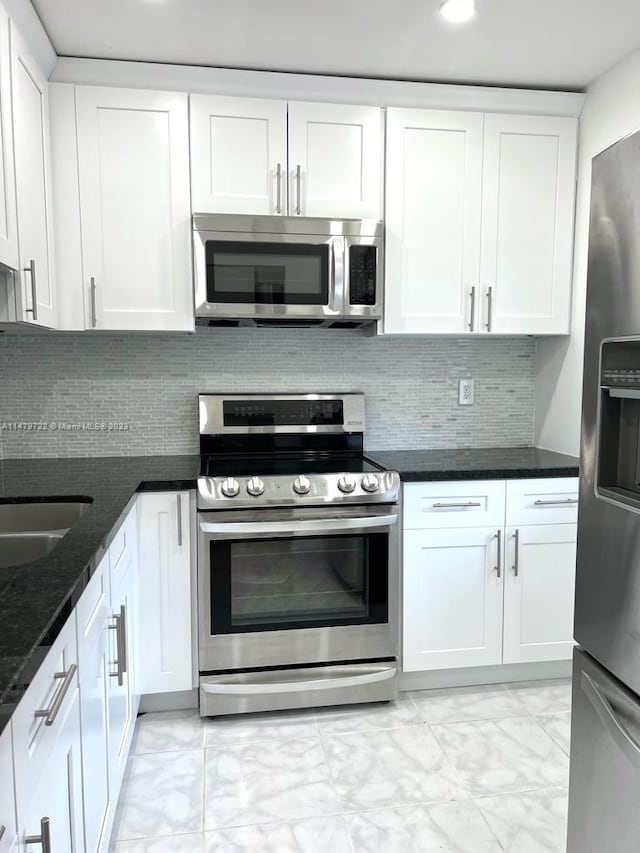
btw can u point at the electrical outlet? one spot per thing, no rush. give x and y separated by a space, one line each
466 391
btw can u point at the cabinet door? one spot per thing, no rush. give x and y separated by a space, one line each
32 165
8 224
7 793
335 160
238 155
527 223
93 658
57 793
538 593
133 161
433 203
165 636
121 699
452 598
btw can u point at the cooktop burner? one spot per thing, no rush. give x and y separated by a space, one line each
282 465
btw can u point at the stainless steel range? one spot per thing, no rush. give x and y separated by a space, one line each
298 555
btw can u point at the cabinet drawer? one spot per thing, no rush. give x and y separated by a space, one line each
123 546
548 501
53 689
454 504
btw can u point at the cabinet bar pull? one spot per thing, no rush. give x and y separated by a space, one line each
119 673
498 566
298 191
123 635
463 504
516 556
489 308
51 712
279 188
31 269
44 838
92 290
179 503
560 502
3 829
473 309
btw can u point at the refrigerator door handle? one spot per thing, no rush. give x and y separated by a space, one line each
620 734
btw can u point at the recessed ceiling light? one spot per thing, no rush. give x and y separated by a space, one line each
458 11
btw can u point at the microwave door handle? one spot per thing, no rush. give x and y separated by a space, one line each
297 527
338 250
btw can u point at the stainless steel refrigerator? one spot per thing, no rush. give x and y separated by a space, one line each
604 790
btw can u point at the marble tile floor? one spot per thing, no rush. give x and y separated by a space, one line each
466 770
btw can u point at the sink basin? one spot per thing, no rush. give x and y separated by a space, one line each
32 529
40 517
16 549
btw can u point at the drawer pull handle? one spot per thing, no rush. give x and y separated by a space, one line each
3 829
44 838
558 502
462 505
51 713
498 566
516 554
121 645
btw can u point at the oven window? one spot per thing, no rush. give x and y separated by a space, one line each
267 273
306 582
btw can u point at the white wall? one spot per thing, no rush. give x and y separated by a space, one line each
611 111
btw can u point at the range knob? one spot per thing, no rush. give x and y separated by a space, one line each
346 483
255 486
370 483
301 485
230 488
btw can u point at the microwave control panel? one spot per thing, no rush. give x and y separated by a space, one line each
362 275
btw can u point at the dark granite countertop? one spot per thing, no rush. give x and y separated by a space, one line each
36 598
495 463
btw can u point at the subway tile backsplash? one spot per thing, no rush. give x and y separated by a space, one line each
63 382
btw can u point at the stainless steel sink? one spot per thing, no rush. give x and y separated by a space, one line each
20 548
40 517
32 530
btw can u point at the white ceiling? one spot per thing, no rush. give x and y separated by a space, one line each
535 43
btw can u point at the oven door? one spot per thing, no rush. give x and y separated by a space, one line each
268 277
279 588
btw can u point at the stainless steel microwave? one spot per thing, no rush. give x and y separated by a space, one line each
286 270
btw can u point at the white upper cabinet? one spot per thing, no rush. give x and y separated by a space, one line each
527 223
238 155
31 150
8 224
479 223
133 164
259 157
335 160
433 199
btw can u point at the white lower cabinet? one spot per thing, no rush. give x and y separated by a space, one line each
539 589
55 806
122 704
478 595
93 655
7 794
164 616
453 598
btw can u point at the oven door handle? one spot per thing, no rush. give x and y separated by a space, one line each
262 687
295 528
